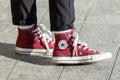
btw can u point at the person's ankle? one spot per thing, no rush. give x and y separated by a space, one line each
27 27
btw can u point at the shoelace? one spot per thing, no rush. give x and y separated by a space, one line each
83 45
47 33
45 38
45 30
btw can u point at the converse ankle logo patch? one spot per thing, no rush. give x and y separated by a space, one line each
62 44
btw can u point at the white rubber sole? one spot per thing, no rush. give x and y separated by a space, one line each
37 52
82 59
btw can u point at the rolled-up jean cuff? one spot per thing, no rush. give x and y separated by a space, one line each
62 28
24 22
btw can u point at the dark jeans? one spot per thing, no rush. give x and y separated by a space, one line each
62 14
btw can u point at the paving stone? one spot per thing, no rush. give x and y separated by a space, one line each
3 5
6 65
7 59
7 55
116 71
42 7
40 71
82 8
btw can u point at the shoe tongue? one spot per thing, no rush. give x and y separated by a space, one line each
73 31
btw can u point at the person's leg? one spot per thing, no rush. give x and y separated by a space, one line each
23 12
68 49
30 39
62 14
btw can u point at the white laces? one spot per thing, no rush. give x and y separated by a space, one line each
47 33
44 36
44 29
76 41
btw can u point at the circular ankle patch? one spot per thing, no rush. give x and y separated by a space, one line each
62 44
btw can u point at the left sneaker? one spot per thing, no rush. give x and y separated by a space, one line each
35 42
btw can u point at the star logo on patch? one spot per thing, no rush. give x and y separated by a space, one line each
62 44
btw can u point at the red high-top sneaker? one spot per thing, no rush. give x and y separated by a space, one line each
69 50
33 41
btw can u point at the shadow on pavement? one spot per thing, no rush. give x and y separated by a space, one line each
7 50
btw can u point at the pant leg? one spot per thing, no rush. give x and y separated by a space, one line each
23 12
62 14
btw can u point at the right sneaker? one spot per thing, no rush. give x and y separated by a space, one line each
33 41
70 50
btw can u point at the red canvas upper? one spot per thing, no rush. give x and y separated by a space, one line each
33 39
64 45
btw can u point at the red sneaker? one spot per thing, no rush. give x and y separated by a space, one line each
69 50
33 41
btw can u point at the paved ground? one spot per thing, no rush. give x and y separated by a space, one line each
98 24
